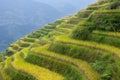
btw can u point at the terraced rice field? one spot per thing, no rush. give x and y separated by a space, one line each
84 46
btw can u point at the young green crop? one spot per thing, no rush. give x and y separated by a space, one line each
39 73
111 49
107 33
101 61
69 71
81 65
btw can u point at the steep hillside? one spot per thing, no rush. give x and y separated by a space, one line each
84 46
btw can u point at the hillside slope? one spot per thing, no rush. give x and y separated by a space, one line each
84 46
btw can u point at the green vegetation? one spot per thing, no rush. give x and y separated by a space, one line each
80 65
84 13
62 68
115 5
104 39
107 20
8 70
22 76
107 33
95 57
2 56
38 72
84 46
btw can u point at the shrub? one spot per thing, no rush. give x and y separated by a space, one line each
24 44
79 52
104 39
29 39
106 20
115 5
2 56
15 47
100 66
47 30
42 41
81 32
94 7
84 13
50 26
102 2
65 26
34 36
73 21
9 52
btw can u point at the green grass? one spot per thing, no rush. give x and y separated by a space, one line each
113 41
10 51
18 75
84 13
81 65
35 35
1 67
73 20
102 1
45 32
87 33
107 20
113 50
68 71
81 32
5 65
50 26
100 60
107 33
65 25
93 54
7 72
63 30
106 12
14 47
114 5
45 29
99 6
28 39
34 70
79 52
24 44
94 7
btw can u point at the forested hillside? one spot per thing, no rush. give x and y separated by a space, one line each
83 46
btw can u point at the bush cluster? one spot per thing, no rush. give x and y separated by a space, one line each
106 21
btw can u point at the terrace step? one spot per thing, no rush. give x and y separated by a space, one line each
107 33
82 66
110 49
38 72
